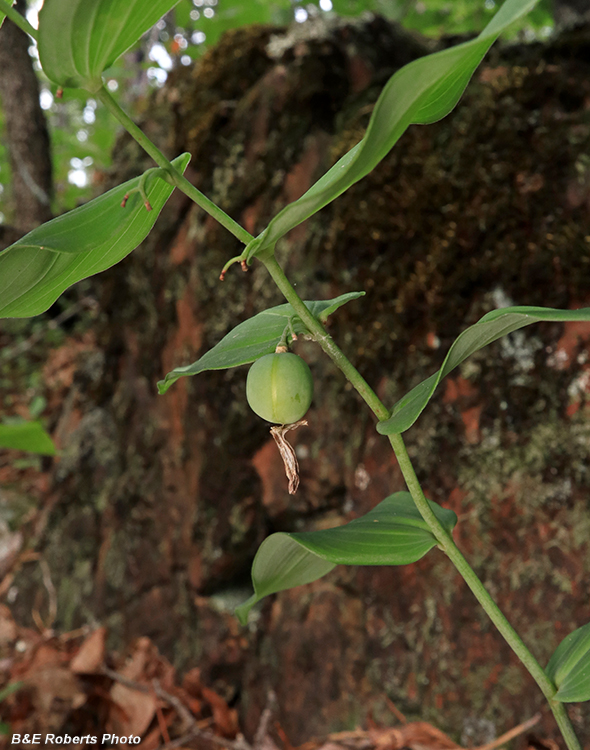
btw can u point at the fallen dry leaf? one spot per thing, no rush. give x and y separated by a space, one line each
90 657
132 712
152 740
8 628
52 683
225 718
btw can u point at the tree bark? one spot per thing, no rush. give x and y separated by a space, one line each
571 12
26 129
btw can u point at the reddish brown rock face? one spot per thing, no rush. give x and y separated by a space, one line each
158 504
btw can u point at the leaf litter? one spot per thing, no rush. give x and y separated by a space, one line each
71 684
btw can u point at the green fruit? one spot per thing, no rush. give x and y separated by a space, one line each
279 388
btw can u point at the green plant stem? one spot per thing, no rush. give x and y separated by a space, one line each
324 339
17 19
176 178
444 539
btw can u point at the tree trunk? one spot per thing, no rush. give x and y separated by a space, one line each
157 505
26 129
571 12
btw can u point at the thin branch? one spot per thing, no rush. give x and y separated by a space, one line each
187 717
51 592
511 734
265 718
131 684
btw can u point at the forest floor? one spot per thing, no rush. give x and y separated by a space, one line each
70 686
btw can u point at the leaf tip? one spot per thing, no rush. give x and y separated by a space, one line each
182 160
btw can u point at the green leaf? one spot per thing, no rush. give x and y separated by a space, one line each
569 667
255 337
26 436
79 39
393 533
40 266
421 92
491 327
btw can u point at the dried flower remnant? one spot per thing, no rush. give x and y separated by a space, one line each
288 452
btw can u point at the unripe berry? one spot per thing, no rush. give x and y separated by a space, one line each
279 388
